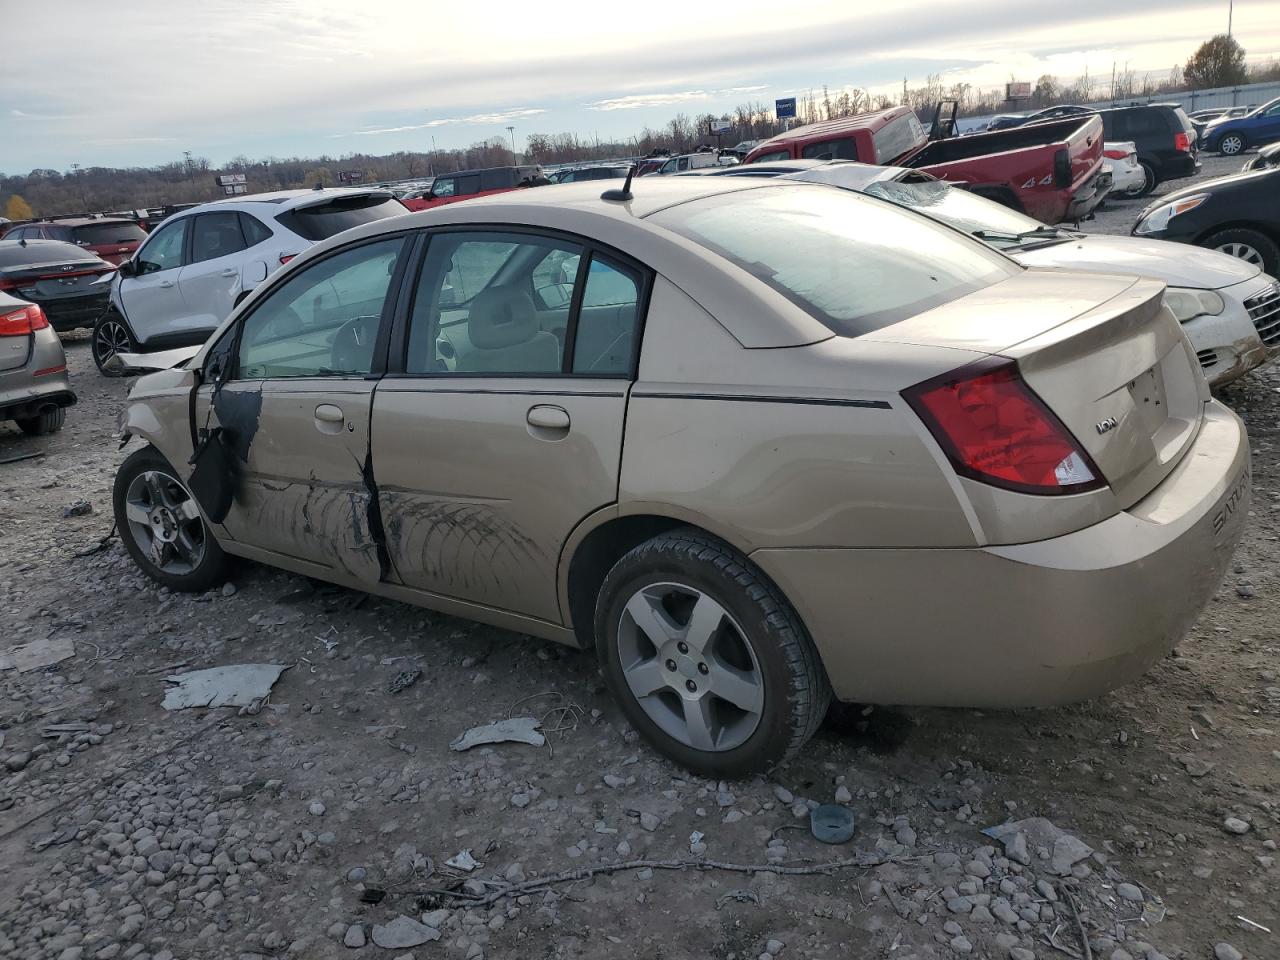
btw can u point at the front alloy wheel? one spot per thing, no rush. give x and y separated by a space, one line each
110 336
162 526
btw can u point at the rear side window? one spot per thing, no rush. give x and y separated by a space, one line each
1147 123
773 157
254 230
843 149
465 186
119 232
322 220
216 235
496 179
853 263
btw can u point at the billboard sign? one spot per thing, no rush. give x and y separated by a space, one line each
232 180
785 109
721 126
1017 91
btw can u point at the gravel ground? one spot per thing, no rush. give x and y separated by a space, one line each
320 825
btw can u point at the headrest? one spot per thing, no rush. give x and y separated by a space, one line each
501 317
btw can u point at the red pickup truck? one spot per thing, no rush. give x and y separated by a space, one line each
1050 171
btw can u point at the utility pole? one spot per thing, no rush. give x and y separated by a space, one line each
1231 11
190 175
512 131
431 164
84 204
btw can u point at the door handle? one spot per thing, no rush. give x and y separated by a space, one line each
548 418
328 413
166 284
227 273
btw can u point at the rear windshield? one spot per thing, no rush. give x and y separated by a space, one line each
123 231
854 263
896 138
323 220
13 253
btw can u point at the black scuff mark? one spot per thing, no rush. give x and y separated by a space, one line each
373 514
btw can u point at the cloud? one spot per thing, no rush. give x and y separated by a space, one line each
115 141
487 119
637 101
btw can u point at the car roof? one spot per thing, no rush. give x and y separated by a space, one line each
863 121
77 221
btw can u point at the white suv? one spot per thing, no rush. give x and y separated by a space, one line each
197 265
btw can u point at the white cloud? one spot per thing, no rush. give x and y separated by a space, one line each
487 119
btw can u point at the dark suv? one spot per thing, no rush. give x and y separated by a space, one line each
1164 136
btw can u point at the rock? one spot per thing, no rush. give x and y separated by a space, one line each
515 873
1196 767
842 794
774 947
356 874
1225 951
613 781
18 761
961 945
81 508
976 868
1021 953
403 932
1130 892
316 809
1067 852
650 821
354 937
228 589
1015 848
1235 825
1245 590
783 794
1120 953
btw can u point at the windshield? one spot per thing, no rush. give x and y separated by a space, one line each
995 224
122 231
854 264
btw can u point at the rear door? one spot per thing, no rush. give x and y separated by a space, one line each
1268 125
498 427
152 299
212 279
304 363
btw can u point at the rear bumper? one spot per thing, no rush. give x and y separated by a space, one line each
1033 624
73 312
1179 166
1088 195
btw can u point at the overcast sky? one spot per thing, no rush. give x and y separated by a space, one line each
138 82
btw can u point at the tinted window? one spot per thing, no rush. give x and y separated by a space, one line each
842 149
853 263
323 322
254 230
122 231
163 250
321 221
477 308
13 253
216 235
608 320
496 179
465 186
1147 123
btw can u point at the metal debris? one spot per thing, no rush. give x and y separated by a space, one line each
240 685
513 730
739 896
403 679
37 655
831 823
463 861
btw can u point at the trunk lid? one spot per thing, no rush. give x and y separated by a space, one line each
1102 351
52 281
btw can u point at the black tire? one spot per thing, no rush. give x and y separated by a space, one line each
111 335
45 422
796 692
1232 144
1232 241
1150 182
213 564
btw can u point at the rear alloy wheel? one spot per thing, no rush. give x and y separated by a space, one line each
110 336
162 527
1231 145
45 422
1251 246
707 659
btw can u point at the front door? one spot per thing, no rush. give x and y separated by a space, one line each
296 410
151 297
499 425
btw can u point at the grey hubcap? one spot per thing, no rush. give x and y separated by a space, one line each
165 522
1232 145
112 338
690 667
1243 251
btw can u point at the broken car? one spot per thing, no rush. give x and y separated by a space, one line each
776 442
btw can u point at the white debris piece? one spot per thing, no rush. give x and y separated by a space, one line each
515 730
463 861
38 654
240 685
403 932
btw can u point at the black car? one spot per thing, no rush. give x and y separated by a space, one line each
1010 120
1239 215
582 174
58 276
1164 136
1267 157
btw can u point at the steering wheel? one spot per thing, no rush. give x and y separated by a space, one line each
352 348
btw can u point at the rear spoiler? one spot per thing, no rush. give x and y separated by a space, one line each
329 196
142 362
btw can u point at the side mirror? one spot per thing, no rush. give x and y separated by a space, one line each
127 269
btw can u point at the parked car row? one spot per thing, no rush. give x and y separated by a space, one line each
867 398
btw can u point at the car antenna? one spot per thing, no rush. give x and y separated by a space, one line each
625 193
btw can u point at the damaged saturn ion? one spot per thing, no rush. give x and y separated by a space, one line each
758 443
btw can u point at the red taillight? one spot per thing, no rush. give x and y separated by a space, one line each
1115 154
286 257
994 429
19 323
1182 142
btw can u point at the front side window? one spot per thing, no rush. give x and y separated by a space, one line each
843 149
163 251
483 305
216 235
323 322
853 263
443 187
